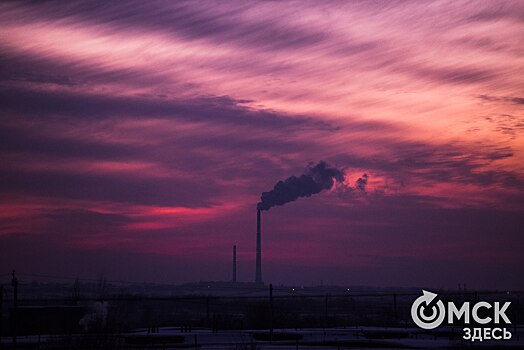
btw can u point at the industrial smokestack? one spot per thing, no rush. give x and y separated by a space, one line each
258 272
315 179
234 264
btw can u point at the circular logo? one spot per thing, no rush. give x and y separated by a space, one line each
421 308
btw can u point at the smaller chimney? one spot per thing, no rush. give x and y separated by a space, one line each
258 268
234 264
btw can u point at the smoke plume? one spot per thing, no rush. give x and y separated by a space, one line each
314 180
362 182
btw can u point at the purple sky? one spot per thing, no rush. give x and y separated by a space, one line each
137 138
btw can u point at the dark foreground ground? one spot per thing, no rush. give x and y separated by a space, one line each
225 316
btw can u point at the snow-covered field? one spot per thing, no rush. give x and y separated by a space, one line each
314 338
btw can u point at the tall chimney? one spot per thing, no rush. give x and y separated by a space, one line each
258 275
234 264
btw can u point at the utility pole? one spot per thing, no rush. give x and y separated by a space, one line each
395 307
14 283
271 313
325 313
207 310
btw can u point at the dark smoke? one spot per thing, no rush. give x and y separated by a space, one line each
314 180
362 182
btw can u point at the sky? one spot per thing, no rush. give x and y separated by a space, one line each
137 138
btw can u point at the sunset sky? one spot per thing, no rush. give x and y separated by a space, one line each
137 137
